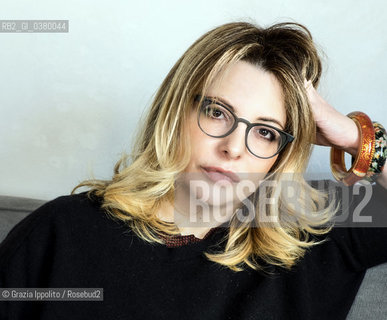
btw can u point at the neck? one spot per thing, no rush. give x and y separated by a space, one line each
195 220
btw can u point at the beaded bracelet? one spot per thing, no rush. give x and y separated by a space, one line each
379 159
364 156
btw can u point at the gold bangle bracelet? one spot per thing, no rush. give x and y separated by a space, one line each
364 155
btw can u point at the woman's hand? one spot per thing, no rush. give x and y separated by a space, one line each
333 128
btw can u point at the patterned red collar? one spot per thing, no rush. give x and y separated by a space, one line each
174 241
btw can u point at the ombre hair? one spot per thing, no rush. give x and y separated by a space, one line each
144 179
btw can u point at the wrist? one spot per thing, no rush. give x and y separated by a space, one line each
354 140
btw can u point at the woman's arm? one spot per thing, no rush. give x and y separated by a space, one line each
335 129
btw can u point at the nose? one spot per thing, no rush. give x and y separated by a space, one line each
234 145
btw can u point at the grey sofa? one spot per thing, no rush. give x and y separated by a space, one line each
370 302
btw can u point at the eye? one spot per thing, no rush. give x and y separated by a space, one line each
266 133
215 112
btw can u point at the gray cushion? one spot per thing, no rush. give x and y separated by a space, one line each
370 302
14 209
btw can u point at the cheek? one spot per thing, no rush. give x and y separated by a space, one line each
200 142
201 147
196 135
259 168
261 165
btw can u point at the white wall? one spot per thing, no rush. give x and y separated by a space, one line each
70 101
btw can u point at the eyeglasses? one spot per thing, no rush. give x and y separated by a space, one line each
217 120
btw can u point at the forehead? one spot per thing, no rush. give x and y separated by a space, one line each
253 92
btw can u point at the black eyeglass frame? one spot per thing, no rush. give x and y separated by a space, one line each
285 137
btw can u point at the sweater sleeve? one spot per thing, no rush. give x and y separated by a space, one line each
361 231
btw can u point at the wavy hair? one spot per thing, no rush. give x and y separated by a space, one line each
145 178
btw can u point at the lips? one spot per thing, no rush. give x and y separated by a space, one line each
217 173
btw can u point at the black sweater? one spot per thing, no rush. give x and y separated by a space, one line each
71 243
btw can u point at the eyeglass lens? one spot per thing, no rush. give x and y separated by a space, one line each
217 121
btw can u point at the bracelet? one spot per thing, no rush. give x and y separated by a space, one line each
379 159
364 156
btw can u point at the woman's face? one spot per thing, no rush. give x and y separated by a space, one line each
254 94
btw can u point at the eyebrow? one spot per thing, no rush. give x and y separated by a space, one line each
267 119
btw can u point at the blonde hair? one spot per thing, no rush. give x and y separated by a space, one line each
143 180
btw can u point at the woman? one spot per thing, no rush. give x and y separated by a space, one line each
199 223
